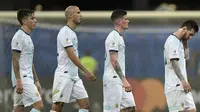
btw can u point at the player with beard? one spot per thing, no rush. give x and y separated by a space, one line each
176 52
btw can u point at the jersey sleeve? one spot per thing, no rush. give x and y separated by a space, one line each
66 40
113 44
174 49
17 43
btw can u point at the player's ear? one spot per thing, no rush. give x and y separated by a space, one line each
23 21
117 21
70 15
184 28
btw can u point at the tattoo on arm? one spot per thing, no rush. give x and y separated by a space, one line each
118 70
15 61
116 65
177 69
35 74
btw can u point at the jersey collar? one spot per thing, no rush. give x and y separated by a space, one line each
176 37
118 32
25 32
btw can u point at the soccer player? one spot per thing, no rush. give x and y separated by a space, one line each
176 52
24 77
67 86
117 91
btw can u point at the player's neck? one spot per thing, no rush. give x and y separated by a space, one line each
118 29
71 25
26 29
178 34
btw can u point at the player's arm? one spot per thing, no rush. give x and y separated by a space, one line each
117 68
71 54
35 74
17 45
186 49
115 64
36 79
177 70
174 56
15 61
74 58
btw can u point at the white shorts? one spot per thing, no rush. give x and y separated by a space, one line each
67 90
29 96
178 100
116 98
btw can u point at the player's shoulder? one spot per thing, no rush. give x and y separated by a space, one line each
114 32
113 35
19 34
65 31
172 38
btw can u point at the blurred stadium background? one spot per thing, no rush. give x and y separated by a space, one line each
151 23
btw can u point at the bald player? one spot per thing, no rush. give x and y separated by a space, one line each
67 86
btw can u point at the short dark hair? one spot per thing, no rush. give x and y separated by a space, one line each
22 13
190 24
118 13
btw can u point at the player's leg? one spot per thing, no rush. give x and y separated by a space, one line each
57 107
128 102
18 108
175 101
189 104
84 105
112 93
62 88
32 98
80 94
18 104
192 110
128 109
37 106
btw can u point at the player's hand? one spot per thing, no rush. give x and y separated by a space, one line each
37 84
90 76
185 42
19 87
186 86
126 85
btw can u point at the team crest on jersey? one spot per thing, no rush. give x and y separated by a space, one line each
16 44
68 41
174 52
113 44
